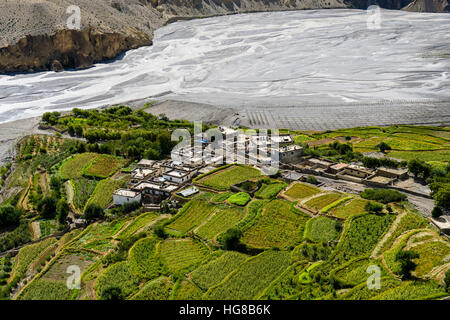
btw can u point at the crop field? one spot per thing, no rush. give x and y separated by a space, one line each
73 168
355 206
42 289
431 255
240 199
214 272
412 290
137 224
362 292
252 277
223 218
320 202
221 197
103 193
191 216
186 290
279 225
181 254
27 255
103 166
58 270
362 236
322 229
224 179
409 221
299 191
158 289
83 188
355 272
117 276
268 191
101 231
143 262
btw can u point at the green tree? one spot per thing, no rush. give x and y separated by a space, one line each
47 207
63 209
112 293
407 265
419 168
373 207
93 212
383 147
447 280
437 212
9 216
231 240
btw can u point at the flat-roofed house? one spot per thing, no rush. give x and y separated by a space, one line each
145 163
338 167
177 176
122 196
140 174
290 153
357 171
318 163
155 191
392 173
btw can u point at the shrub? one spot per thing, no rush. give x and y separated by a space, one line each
47 207
93 212
240 199
231 240
437 212
312 180
9 216
372 207
406 264
383 195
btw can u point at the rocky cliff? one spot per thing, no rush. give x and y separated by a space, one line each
36 35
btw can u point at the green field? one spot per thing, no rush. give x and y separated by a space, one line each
214 272
279 225
252 277
103 166
299 191
191 216
224 179
72 168
83 189
223 218
181 254
355 206
137 224
103 193
322 229
320 202
268 191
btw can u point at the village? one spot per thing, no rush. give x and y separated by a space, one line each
155 181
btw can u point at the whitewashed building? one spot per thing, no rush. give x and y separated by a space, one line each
122 196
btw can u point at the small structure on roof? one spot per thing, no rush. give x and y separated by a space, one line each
145 163
188 192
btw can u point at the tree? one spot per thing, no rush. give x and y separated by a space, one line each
437 212
93 212
442 196
419 168
383 147
112 293
159 231
47 207
9 216
62 208
231 240
373 207
407 265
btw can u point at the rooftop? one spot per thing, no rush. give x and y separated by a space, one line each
126 193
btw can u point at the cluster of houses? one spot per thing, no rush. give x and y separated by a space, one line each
380 177
154 181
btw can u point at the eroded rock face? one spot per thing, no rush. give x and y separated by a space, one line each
67 49
35 35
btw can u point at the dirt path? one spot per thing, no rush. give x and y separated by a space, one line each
388 234
35 230
70 195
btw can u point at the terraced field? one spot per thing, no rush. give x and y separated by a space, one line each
191 216
299 191
181 254
320 202
223 219
352 207
224 179
279 225
103 166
